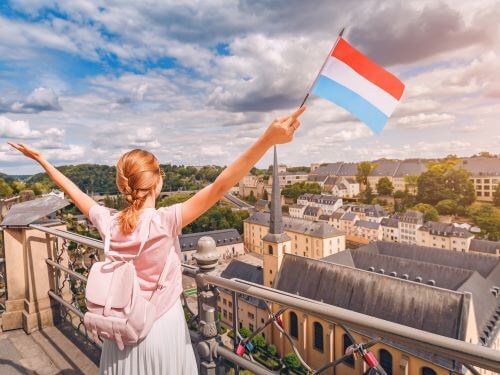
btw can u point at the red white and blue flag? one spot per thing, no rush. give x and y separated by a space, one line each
354 82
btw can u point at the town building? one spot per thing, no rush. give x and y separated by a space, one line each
251 185
444 236
370 212
485 174
383 168
287 178
452 294
408 225
397 171
328 203
343 187
367 231
390 229
228 241
485 247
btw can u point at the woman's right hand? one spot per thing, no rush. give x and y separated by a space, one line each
27 151
282 129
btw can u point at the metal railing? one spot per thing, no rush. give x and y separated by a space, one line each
3 277
85 251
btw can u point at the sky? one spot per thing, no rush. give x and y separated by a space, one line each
196 82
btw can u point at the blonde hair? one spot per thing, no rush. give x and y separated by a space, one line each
137 175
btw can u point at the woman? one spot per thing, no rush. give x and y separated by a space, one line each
167 348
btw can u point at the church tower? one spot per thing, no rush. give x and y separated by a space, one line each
276 242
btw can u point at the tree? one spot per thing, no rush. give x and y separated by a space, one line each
411 183
259 342
18 186
5 189
265 195
296 190
245 332
364 170
447 207
496 196
368 195
487 218
272 350
430 213
40 188
251 198
384 186
292 361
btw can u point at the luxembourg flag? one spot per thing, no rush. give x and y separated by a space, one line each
354 82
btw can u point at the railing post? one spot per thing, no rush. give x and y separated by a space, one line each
207 258
28 305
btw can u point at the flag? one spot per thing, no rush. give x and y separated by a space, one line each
354 82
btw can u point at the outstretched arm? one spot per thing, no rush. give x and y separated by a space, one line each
79 198
279 131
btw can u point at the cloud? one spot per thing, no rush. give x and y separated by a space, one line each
16 129
40 99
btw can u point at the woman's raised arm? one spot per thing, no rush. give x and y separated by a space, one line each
79 198
279 131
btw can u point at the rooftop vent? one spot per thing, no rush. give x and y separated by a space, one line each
394 274
418 279
405 276
431 282
381 270
494 292
372 269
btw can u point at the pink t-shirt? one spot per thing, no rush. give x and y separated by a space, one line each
162 245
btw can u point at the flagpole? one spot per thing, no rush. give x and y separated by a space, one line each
321 69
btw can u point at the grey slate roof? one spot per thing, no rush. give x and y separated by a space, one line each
318 229
480 166
412 217
331 180
319 198
311 211
248 272
317 178
389 222
385 168
411 167
222 237
348 169
349 216
367 224
29 212
484 246
412 304
445 230
328 169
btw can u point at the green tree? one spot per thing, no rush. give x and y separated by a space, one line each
384 186
364 170
5 189
251 198
39 188
245 332
411 183
296 190
487 218
496 196
447 207
265 195
368 195
430 213
259 342
292 361
18 186
272 349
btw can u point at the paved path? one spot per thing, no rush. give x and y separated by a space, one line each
47 352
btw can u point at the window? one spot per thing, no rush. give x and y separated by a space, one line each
386 361
318 336
250 326
428 371
225 314
230 304
250 315
224 301
230 316
270 249
347 343
294 325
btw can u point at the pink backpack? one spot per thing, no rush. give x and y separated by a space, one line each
116 308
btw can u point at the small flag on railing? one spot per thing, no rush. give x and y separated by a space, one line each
354 82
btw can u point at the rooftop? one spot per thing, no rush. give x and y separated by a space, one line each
222 237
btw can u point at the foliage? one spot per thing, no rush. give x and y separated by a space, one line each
364 169
265 195
118 202
442 181
430 213
173 199
487 218
447 207
245 332
259 342
496 196
296 190
218 217
18 186
5 189
368 195
285 209
292 361
411 183
251 198
299 169
384 186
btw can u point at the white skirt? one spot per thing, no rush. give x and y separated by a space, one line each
166 349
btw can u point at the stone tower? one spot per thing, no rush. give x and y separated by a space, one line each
276 242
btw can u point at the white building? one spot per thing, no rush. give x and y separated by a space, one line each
328 203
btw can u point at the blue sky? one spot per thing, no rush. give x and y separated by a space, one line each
196 82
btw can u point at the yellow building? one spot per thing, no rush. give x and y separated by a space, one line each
453 298
444 236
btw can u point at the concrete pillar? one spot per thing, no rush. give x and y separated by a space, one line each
330 346
304 351
29 278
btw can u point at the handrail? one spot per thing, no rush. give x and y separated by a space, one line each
464 352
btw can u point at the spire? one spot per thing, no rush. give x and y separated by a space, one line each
276 232
276 220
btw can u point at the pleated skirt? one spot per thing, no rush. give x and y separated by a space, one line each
166 349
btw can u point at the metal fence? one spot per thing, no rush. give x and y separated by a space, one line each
84 251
